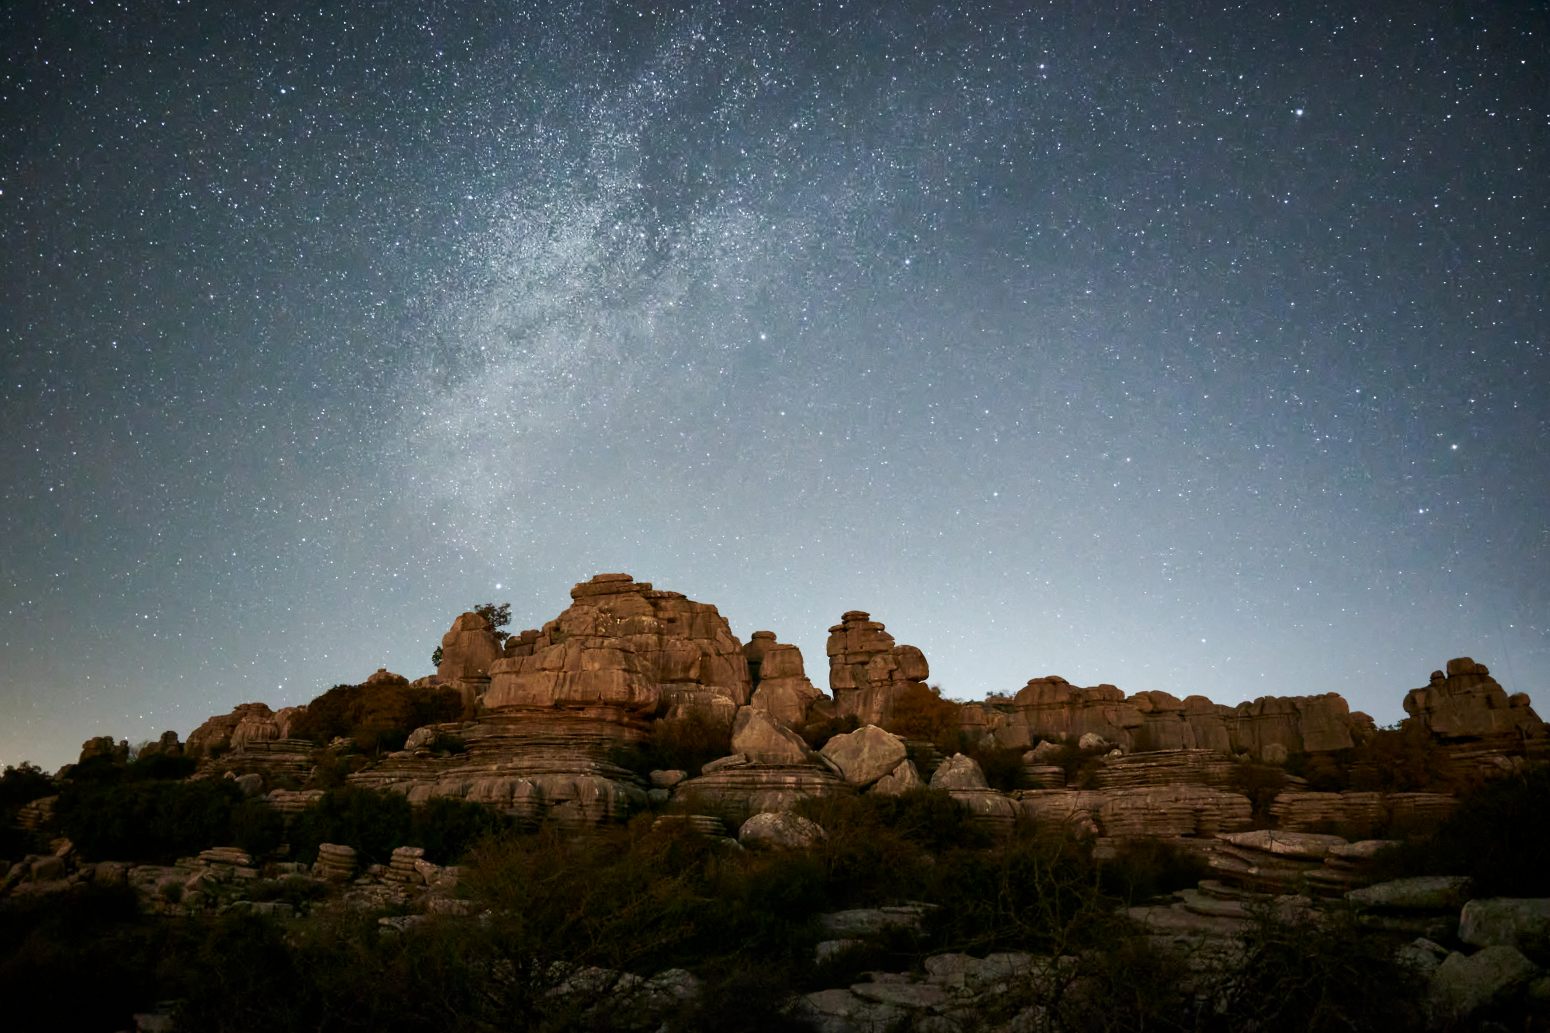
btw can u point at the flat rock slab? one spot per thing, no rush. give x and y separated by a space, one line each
1522 922
1421 893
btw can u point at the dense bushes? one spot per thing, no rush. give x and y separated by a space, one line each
376 717
375 822
685 743
161 821
1497 835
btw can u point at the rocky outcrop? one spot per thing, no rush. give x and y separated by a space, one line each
1051 708
962 779
1465 702
468 649
103 747
167 746
867 670
1164 811
1360 814
248 722
623 646
781 686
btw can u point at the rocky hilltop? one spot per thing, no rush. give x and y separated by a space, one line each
556 721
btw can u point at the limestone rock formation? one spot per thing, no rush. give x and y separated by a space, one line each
765 741
899 781
468 649
1051 708
781 685
865 755
1158 811
622 644
248 722
103 746
776 830
867 670
960 775
166 746
1465 702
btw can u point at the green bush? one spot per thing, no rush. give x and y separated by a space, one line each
376 717
1145 868
684 743
448 829
153 821
1496 835
370 821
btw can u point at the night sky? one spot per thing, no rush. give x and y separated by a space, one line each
1175 346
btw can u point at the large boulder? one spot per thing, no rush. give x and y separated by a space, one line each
468 649
764 741
865 755
779 830
1463 984
1507 922
247 723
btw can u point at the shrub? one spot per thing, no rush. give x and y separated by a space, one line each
20 785
448 828
370 821
149 821
1497 835
920 713
684 743
818 732
376 717
1145 868
1261 783
1318 972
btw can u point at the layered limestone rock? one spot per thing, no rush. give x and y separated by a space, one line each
867 670
781 686
1051 708
1157 811
1465 702
1360 814
770 769
468 649
103 746
248 722
865 755
623 645
962 779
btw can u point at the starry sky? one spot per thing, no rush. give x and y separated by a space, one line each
1181 346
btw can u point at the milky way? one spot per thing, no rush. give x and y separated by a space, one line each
1177 347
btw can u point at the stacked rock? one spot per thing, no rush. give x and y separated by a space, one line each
225 857
336 862
704 824
403 868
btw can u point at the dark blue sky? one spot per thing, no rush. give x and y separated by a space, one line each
1179 346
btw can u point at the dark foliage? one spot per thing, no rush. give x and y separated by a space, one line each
160 821
20 785
920 713
818 732
685 743
1145 868
82 960
1261 783
370 821
448 829
376 717
1497 835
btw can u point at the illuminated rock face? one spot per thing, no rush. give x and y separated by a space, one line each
623 646
1051 708
867 670
782 688
248 722
1465 702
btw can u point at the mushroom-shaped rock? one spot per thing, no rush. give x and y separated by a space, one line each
779 830
764 741
865 755
959 772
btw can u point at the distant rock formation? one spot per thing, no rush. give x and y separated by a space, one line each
867 670
1051 708
1467 703
248 722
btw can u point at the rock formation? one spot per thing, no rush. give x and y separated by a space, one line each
867 670
248 722
468 649
1051 708
1467 703
781 686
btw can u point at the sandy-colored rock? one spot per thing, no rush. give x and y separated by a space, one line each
247 722
959 771
868 670
865 755
781 685
468 649
764 741
1466 702
900 780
